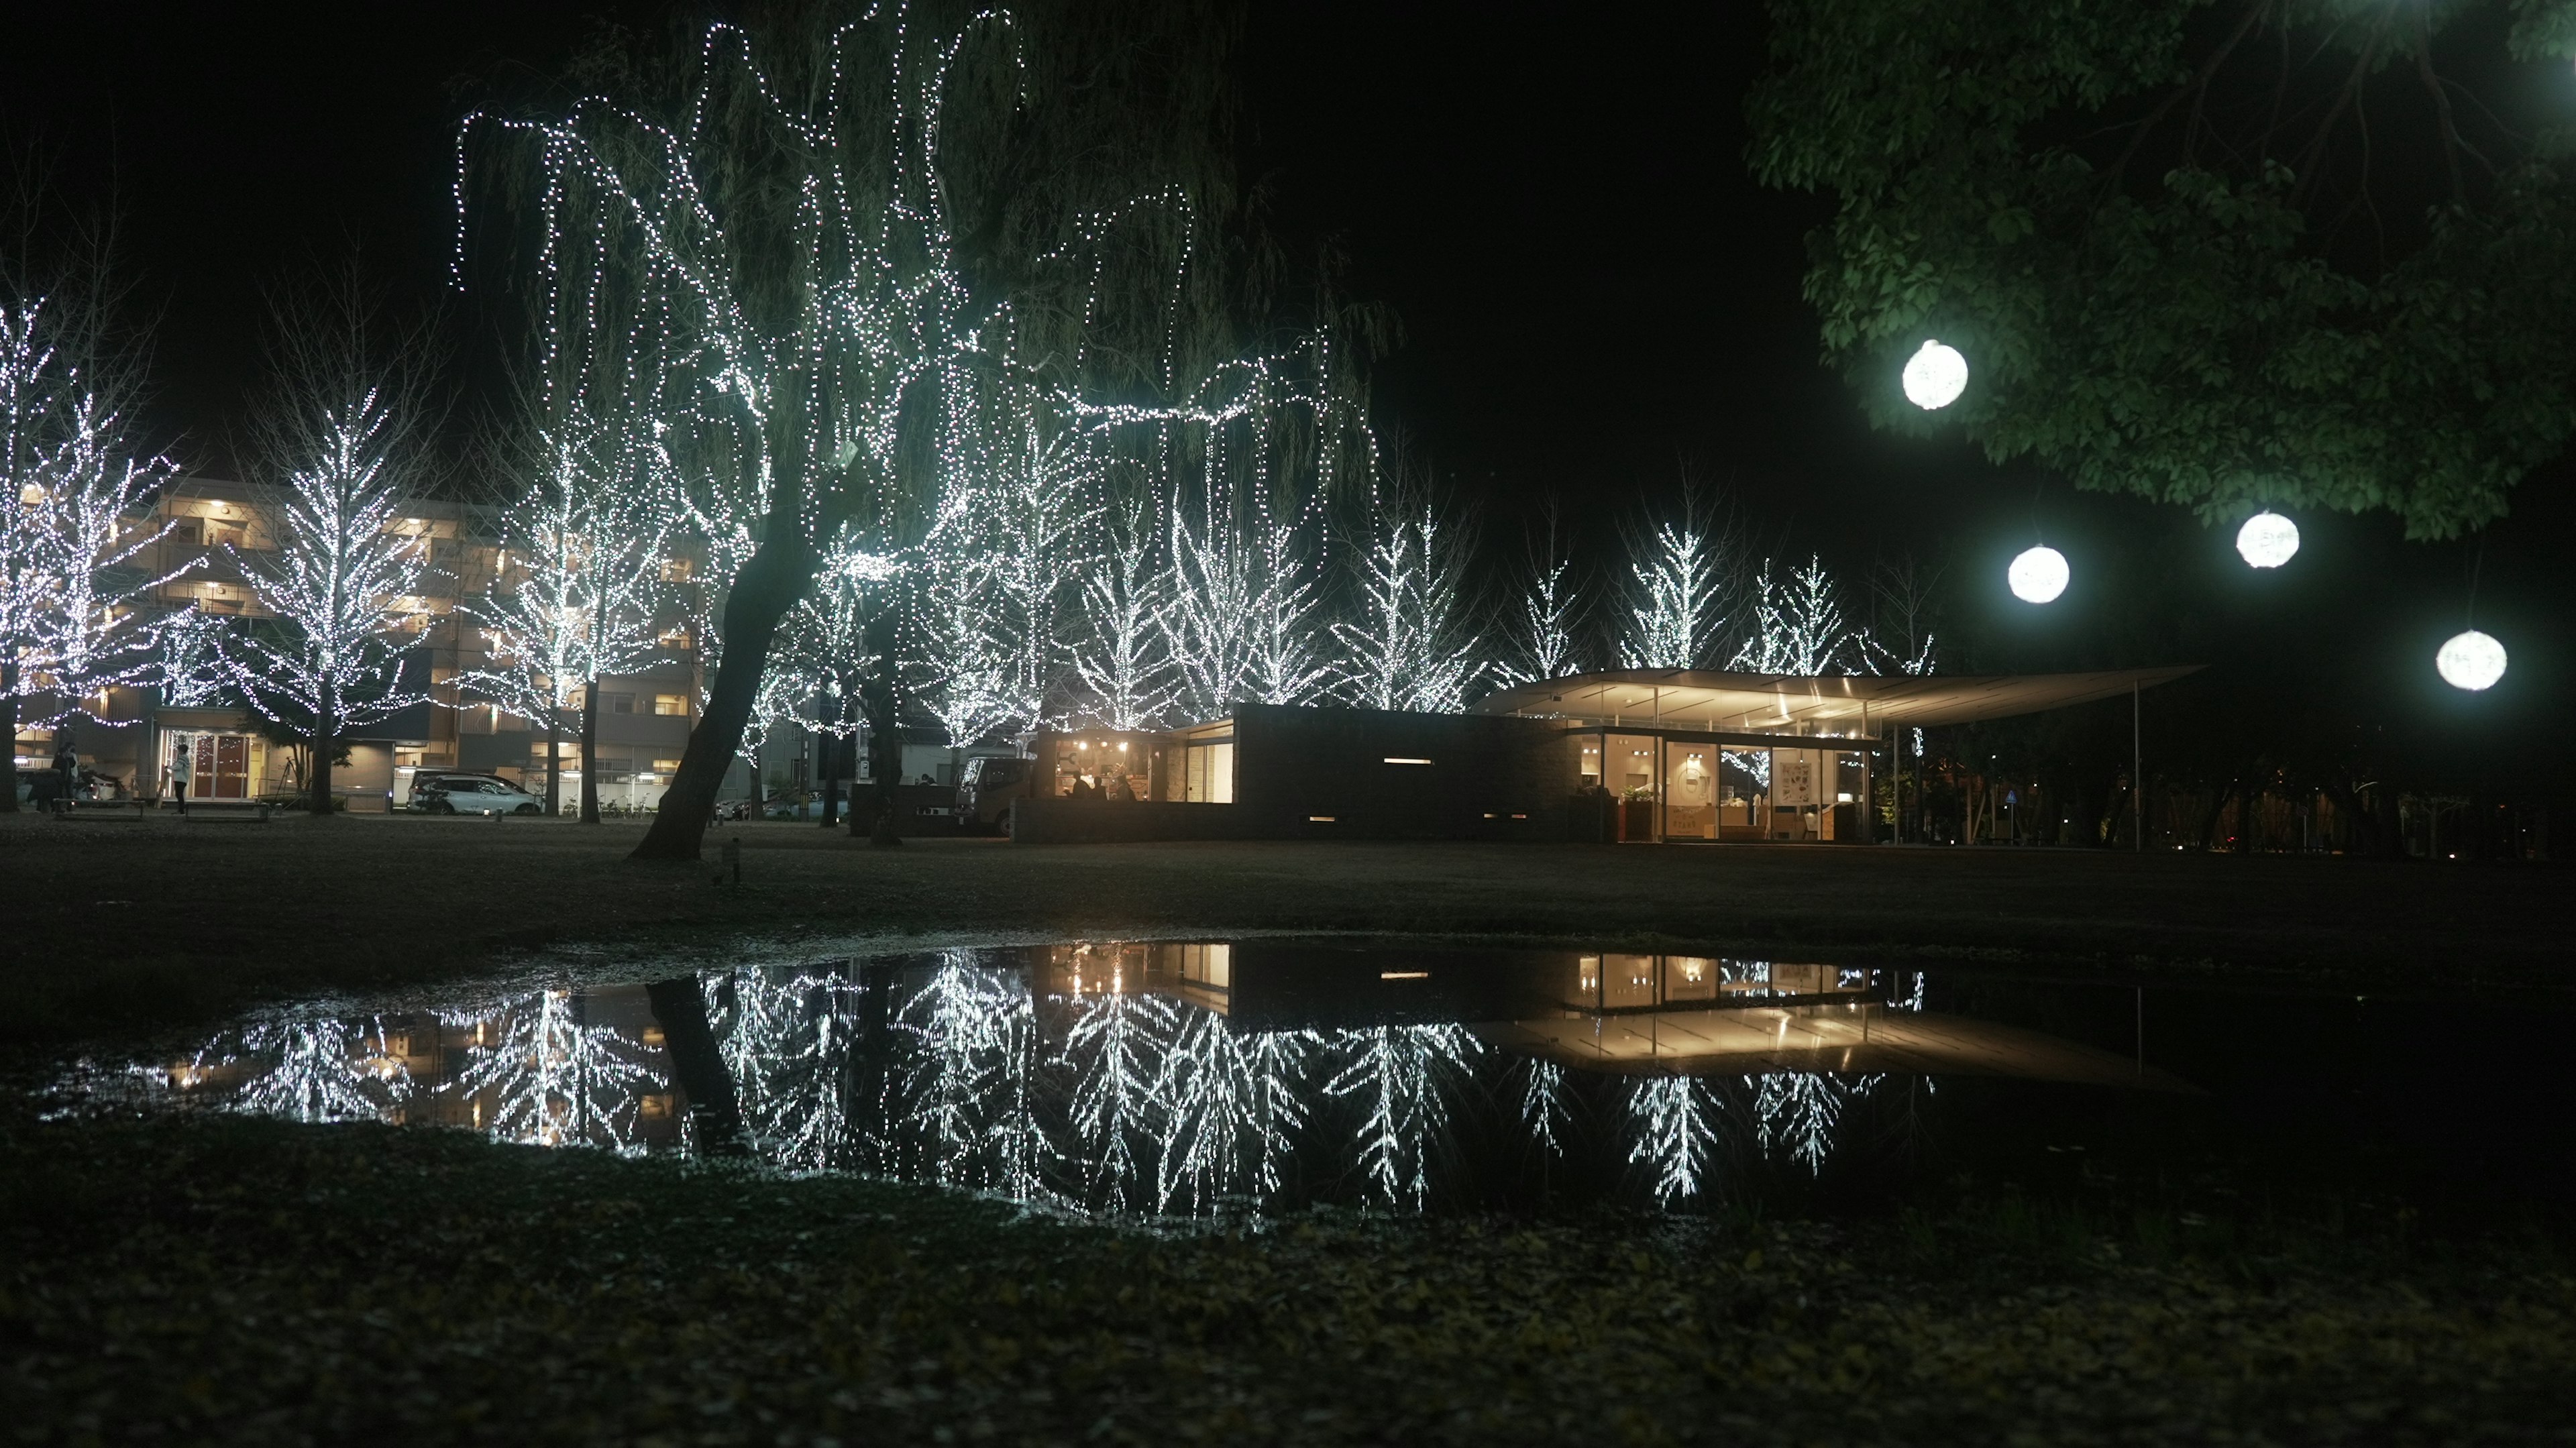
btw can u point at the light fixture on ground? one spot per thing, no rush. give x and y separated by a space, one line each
2470 661
2038 575
1935 376
2267 540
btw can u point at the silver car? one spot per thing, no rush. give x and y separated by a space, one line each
456 794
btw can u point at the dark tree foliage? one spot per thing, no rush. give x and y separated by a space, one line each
2219 253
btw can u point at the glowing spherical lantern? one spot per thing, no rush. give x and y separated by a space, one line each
2038 575
1935 376
2471 661
2267 540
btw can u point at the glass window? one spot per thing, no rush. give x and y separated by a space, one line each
1690 791
1209 773
1627 981
671 706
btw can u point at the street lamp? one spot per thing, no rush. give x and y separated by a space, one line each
2038 575
2470 661
1935 376
2267 540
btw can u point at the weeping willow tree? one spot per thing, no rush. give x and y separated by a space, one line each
2219 253
835 250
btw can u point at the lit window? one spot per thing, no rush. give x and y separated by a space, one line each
666 766
674 706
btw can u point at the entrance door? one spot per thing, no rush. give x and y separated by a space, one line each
222 767
1629 769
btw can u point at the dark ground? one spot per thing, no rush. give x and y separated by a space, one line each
216 1279
116 926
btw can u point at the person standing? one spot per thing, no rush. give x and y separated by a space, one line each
181 767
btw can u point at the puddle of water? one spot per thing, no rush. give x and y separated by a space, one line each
1190 1079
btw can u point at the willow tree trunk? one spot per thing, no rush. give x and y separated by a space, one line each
590 753
880 705
769 585
680 1008
326 737
9 716
554 757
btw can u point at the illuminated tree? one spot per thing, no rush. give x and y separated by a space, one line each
189 667
588 541
1542 642
74 517
1125 662
1681 587
1409 647
1798 626
341 586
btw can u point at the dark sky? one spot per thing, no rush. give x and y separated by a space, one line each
1593 292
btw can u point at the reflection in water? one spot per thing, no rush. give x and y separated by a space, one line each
1180 1080
550 1076
1404 1076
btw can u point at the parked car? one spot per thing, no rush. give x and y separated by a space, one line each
472 794
987 789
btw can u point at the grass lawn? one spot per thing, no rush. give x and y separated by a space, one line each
250 1282
218 1279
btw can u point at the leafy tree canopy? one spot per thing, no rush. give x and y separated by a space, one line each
2220 253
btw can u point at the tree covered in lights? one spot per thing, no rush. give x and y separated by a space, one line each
2221 255
577 593
1543 633
76 496
1410 644
867 254
341 438
1682 585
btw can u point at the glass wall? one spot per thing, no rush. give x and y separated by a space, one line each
1209 775
1690 791
1631 777
1743 793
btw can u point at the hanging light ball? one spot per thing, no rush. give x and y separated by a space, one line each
2038 575
2470 661
1935 376
2267 540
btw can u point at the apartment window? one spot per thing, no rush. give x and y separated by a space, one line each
676 637
618 703
676 570
674 706
666 766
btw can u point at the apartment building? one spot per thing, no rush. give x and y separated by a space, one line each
644 716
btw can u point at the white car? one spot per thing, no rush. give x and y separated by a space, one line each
456 794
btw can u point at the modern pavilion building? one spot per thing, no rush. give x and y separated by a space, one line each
1630 755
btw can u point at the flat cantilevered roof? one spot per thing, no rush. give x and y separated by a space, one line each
1855 1037
1840 703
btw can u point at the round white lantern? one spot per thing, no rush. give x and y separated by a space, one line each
2267 540
1935 376
2038 575
2471 661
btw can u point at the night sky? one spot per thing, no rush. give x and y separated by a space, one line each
1595 296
